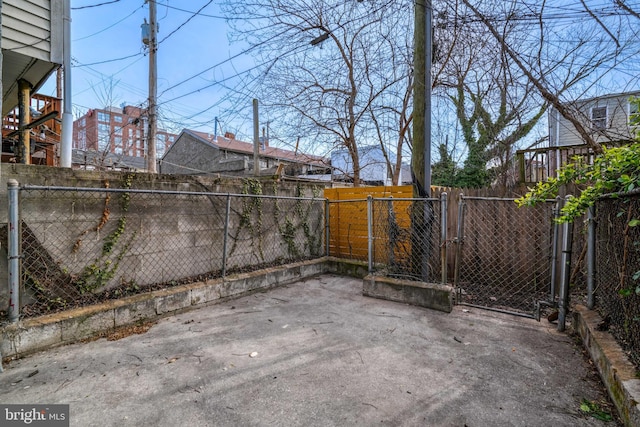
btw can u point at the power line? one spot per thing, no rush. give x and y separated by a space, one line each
94 5
108 60
198 13
244 52
24 46
255 46
187 21
110 26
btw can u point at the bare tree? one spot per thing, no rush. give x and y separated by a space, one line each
330 69
578 44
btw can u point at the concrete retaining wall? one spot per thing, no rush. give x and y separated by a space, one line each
617 373
52 330
167 237
430 295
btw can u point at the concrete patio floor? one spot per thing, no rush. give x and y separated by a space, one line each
317 352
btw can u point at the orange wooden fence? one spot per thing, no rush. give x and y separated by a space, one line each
348 219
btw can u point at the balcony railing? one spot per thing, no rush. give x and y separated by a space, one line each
539 164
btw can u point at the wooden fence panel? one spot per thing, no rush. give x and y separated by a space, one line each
348 221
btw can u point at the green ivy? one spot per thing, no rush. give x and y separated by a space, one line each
288 227
616 170
250 205
103 269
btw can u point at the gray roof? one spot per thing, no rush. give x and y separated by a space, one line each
107 160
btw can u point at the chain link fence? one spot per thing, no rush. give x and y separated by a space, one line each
82 246
617 291
407 238
348 229
503 254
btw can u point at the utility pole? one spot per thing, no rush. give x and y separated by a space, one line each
422 57
256 139
1 92
422 218
153 90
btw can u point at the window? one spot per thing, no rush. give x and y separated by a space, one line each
82 139
599 118
117 118
160 145
104 134
103 143
104 129
103 117
82 122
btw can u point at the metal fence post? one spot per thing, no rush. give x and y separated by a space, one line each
225 237
392 235
563 300
327 227
459 242
14 251
554 250
370 231
591 256
443 236
427 215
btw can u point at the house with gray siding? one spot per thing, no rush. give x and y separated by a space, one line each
605 117
200 153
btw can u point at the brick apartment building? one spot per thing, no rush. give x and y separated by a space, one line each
117 131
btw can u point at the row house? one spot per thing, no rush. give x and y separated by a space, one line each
607 118
200 153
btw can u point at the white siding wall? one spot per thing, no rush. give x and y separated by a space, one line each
617 127
32 27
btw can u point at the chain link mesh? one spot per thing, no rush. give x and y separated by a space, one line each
406 238
504 260
348 230
82 246
618 270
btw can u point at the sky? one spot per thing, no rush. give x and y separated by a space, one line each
196 63
198 69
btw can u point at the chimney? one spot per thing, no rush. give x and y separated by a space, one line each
264 139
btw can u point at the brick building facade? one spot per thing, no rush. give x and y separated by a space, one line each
119 131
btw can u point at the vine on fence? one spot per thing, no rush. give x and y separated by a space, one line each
103 269
616 170
288 223
249 205
289 229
